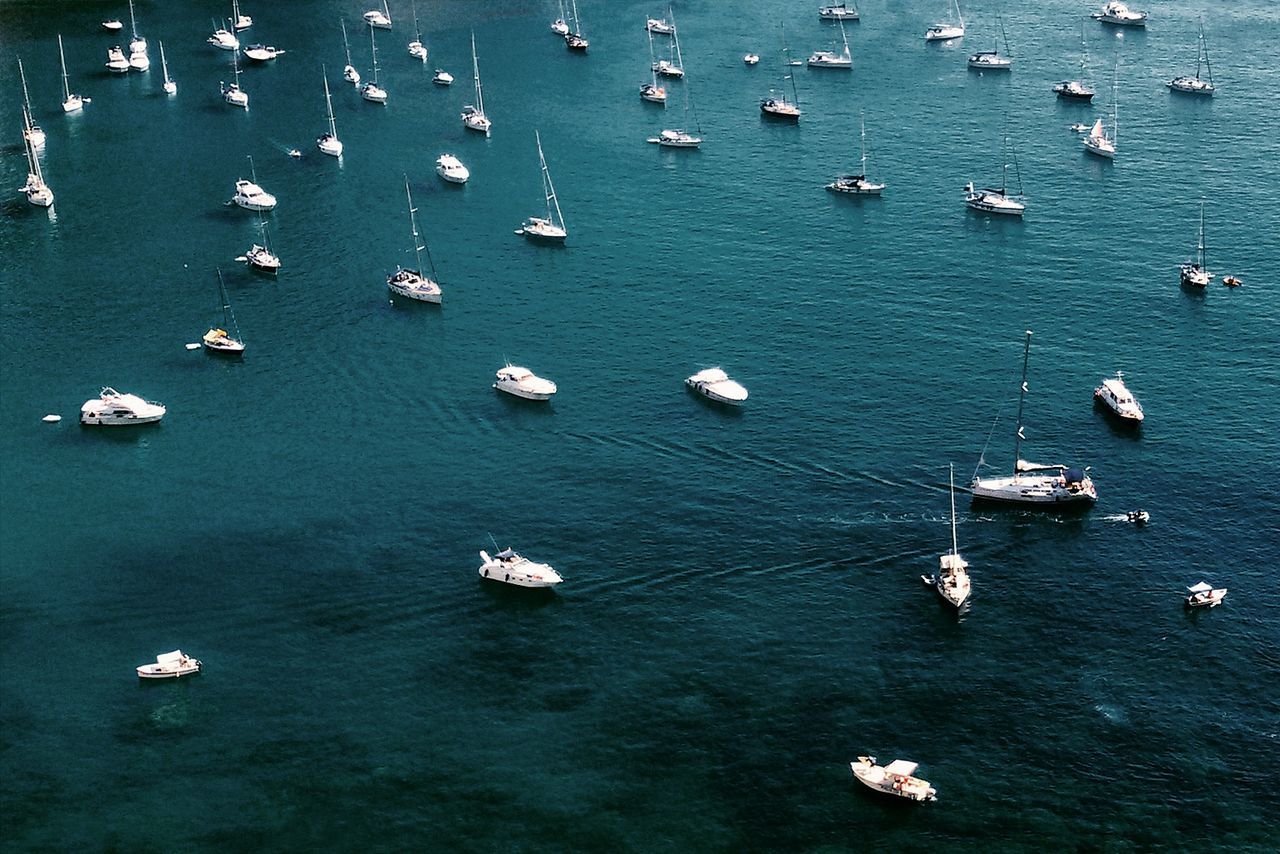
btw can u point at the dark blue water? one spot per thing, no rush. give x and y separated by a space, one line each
741 614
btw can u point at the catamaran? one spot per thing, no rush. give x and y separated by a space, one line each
651 91
371 91
36 190
349 73
329 142
473 115
998 201
1195 273
858 185
70 103
831 59
218 340
232 93
994 60
138 60
952 581
416 48
1077 89
574 39
946 31
411 283
1038 485
778 106
1196 85
170 87
673 67
550 228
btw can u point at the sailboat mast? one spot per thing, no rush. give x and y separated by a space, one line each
133 25
1204 48
26 99
413 225
475 70
786 57
548 188
1200 246
333 130
345 45
653 72
373 42
66 87
33 162
955 548
1022 398
675 36
862 120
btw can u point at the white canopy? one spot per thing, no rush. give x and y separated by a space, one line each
901 767
1202 587
174 657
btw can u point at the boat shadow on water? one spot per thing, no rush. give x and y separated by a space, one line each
512 598
1122 427
523 407
728 410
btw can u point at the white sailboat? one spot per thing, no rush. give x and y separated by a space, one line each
1096 141
232 93
218 340
831 59
259 256
998 201
36 190
473 115
651 91
239 21
349 72
1032 484
560 26
680 137
574 39
946 31
777 106
673 67
170 87
550 228
994 60
71 103
952 581
371 91
412 283
416 48
224 38
138 60
1195 273
329 142
380 18
30 130
858 185
1196 85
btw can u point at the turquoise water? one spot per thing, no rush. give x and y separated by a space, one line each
742 613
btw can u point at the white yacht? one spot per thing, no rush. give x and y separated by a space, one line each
223 38
858 185
117 62
114 409
71 103
259 256
994 60
522 382
660 26
329 143
349 72
417 49
550 228
1055 485
36 190
371 91
676 139
1115 12
170 665
715 384
651 91
952 581
1195 273
1115 395
507 567
1204 595
239 21
218 340
838 12
473 115
831 59
380 18
412 283
947 31
451 169
138 60
1196 85
897 778
170 87
231 92
442 78
262 52
250 195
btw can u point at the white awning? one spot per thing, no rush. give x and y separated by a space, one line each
901 767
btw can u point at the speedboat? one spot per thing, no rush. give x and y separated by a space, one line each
442 78
660 26
542 228
780 108
656 94
1203 595
379 18
170 665
993 201
262 258
897 778
838 12
262 52
251 196
990 60
113 409
411 284
224 39
1116 12
715 384
1073 89
451 169
507 567
751 58
857 185
116 60
1138 517
676 139
113 26
523 382
219 341
1117 398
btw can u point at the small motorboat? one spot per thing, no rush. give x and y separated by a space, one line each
293 152
522 382
1203 595
113 409
1073 90
507 567
51 419
113 26
1115 395
897 778
660 26
252 197
262 52
116 60
170 665
713 383
676 139
224 39
1231 281
838 12
1079 128
442 78
1138 517
451 169
1116 12
751 58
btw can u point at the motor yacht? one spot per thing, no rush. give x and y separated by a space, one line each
838 12
170 665
224 39
676 139
659 27
1138 517
713 383
897 778
114 409
117 62
252 197
993 201
1116 397
1074 90
507 567
262 52
1115 12
442 78
379 18
1204 595
451 169
522 382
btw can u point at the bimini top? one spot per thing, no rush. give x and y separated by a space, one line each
901 767
1073 475
1023 465
1202 587
507 553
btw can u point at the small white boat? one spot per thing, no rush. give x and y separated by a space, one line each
417 49
858 185
451 169
1203 595
113 26
550 228
329 143
838 12
71 103
380 18
224 39
560 26
651 91
522 382
218 340
953 583
1196 85
831 58
349 72
1138 517
36 190
897 778
715 384
660 26
170 665
442 78
239 21
1115 12
947 31
262 52
751 58
117 62
250 195
170 87
412 284
113 409
371 91
676 139
231 92
1195 273
473 116
507 567
1115 395
138 59
51 419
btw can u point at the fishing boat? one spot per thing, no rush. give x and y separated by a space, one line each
170 87
250 195
560 26
777 106
239 20
329 142
1196 85
224 38
994 60
379 18
218 340
994 200
262 52
838 12
442 78
259 256
952 581
831 59
651 91
232 93
473 115
412 283
138 59
349 72
117 62
507 567
897 778
1115 396
1032 484
858 185
522 382
170 665
36 190
1195 273
673 67
1204 595
451 169
371 91
714 384
1118 13
550 228
947 31
416 48
71 103
574 39
113 409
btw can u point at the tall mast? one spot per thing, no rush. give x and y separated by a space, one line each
413 226
333 130
675 36
475 70
33 161
653 72
1022 397
26 99
345 45
955 548
1200 245
133 25
374 44
66 87
863 122
786 56
1204 48
547 187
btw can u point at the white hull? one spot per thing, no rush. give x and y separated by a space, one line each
112 409
538 229
881 780
175 670
374 93
477 122
856 186
523 383
415 286
451 169
1191 86
1100 148
330 145
988 201
943 33
714 384
518 572
350 75
1038 489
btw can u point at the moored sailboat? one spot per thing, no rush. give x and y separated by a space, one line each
1195 273
574 39
231 92
138 59
371 91
952 581
831 59
71 102
1196 85
349 72
858 185
412 283
218 340
36 190
998 201
651 91
1097 142
673 67
1077 90
994 60
329 142
416 48
170 87
473 115
777 106
550 228
946 31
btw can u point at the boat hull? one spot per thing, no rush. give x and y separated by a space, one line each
1032 490
157 671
